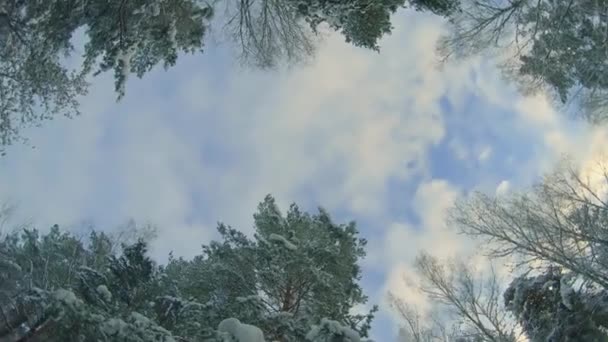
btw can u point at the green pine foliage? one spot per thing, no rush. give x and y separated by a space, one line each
297 273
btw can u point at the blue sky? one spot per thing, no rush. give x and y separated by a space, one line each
386 140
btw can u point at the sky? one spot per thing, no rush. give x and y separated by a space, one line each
388 140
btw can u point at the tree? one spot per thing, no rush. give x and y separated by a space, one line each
298 274
557 231
124 36
332 331
269 30
555 45
361 22
560 221
298 270
131 37
549 309
52 294
470 304
416 327
34 85
61 287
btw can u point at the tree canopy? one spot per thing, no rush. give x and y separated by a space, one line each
549 45
553 235
296 280
131 37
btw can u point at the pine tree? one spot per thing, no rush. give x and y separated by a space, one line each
298 270
298 273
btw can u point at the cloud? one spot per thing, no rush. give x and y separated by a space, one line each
485 154
503 188
205 142
458 148
403 242
432 200
403 282
582 143
336 127
551 135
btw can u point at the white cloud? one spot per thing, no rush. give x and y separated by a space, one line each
503 188
485 154
404 282
457 147
117 161
432 200
554 136
342 127
50 182
403 242
338 129
583 144
345 114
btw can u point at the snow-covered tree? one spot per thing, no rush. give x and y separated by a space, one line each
269 31
550 45
55 287
123 36
240 331
332 331
132 37
53 294
466 304
549 309
298 269
559 229
560 221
